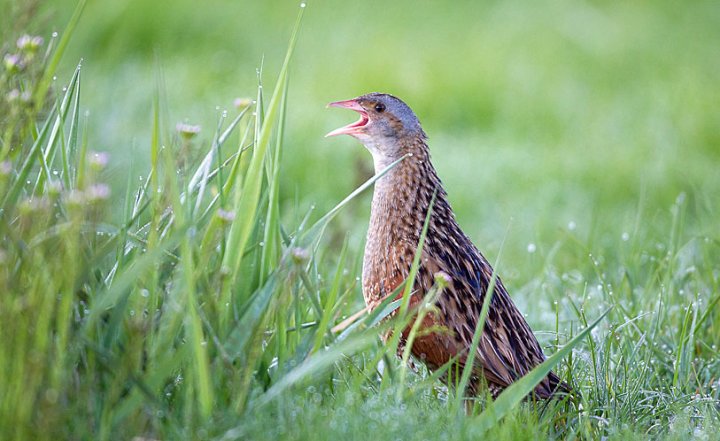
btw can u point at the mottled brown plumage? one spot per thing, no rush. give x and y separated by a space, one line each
508 349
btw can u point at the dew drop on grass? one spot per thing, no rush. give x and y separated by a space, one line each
144 292
572 225
625 237
302 5
531 248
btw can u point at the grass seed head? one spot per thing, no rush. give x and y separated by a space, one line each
187 131
300 255
29 44
241 103
13 63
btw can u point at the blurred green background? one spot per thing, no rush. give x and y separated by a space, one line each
581 139
544 117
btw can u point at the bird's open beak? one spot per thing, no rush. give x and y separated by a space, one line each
357 126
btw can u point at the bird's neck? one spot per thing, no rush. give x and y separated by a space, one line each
400 205
403 195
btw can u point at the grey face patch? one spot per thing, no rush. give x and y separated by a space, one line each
396 119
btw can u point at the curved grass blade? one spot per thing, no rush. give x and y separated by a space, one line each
312 235
520 389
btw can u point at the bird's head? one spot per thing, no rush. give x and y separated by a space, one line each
385 127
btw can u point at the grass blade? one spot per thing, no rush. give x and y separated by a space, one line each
44 84
519 390
246 201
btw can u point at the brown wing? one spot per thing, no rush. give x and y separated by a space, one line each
507 349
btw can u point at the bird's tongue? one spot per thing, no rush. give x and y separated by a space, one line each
353 128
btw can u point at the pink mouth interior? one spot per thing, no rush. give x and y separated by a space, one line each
359 123
354 128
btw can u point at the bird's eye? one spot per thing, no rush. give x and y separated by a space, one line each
379 107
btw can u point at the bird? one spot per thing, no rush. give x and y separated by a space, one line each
508 349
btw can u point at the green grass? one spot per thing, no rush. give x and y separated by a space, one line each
186 286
